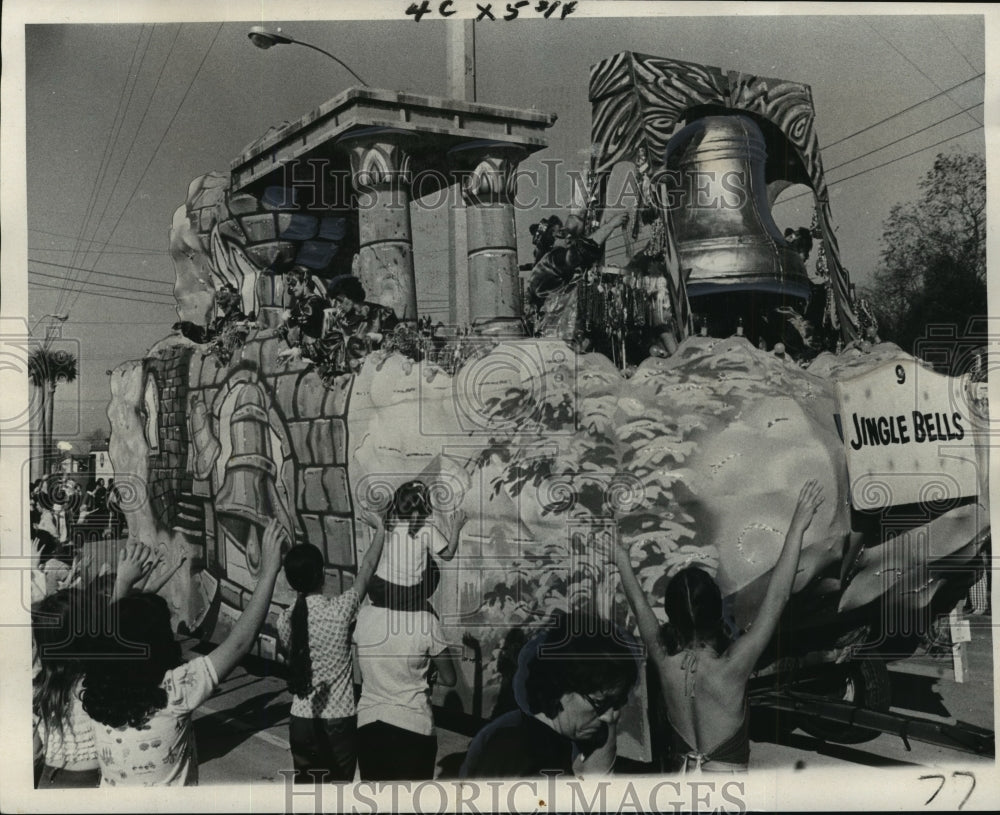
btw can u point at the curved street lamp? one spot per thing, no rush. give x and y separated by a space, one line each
265 39
60 317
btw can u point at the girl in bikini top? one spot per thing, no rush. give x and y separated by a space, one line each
695 632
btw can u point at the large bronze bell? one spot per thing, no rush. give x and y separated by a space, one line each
723 225
249 497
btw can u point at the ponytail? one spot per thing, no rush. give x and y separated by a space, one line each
304 571
693 604
299 658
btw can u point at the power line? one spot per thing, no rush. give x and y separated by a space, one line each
944 31
907 155
916 67
148 252
903 138
95 271
891 161
122 322
135 138
88 240
42 285
116 123
102 285
166 130
904 110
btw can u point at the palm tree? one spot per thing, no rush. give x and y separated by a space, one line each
47 369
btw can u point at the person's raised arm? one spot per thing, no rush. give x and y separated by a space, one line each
134 563
370 561
603 232
744 653
458 519
649 626
237 645
153 585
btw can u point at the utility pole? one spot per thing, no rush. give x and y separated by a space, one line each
460 50
461 54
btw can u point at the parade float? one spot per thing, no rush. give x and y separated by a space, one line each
555 446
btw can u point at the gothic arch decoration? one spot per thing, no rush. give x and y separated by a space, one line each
637 101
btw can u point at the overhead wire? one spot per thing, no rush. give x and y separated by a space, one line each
907 155
104 285
144 252
109 274
885 163
166 130
916 67
90 240
128 155
951 42
100 294
903 138
899 113
120 115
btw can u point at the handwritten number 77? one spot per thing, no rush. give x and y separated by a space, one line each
941 778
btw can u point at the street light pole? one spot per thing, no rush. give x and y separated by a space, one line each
265 39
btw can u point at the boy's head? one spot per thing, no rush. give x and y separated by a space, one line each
298 282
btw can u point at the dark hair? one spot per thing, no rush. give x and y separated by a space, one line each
123 675
411 502
303 274
304 572
543 242
347 285
581 654
693 603
58 656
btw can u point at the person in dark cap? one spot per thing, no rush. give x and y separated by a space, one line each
572 681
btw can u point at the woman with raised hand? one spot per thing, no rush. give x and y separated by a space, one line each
703 674
315 636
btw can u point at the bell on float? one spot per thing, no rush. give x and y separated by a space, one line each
249 497
723 226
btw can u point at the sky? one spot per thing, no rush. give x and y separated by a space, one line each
190 96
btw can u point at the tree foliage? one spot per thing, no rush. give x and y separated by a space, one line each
933 264
51 367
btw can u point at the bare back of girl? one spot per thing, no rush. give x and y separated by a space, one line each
707 709
703 674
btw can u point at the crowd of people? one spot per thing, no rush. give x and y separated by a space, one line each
114 697
62 514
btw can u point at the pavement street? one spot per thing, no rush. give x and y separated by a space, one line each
242 730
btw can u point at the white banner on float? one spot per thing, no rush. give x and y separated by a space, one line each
907 435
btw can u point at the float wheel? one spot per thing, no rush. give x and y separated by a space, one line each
864 683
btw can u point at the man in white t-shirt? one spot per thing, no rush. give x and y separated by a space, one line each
396 650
